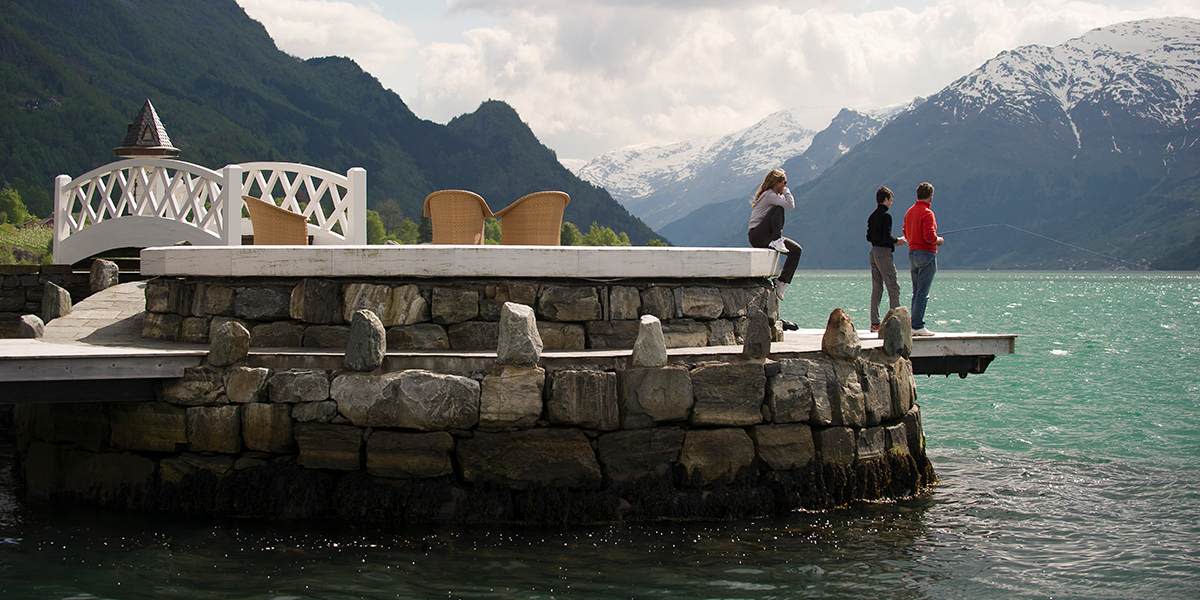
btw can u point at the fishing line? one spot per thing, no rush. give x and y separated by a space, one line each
1048 238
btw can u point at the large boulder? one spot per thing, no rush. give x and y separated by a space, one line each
650 347
896 331
877 392
30 327
357 393
584 398
632 455
756 341
699 302
325 446
317 300
475 335
715 455
267 427
400 305
298 385
367 342
846 400
454 305
228 344
562 336
214 429
531 458
511 397
728 393
427 401
148 426
519 342
904 387
658 301
409 455
103 275
277 334
56 302
619 335
685 333
835 445
784 447
199 386
623 303
262 303
799 392
569 303
245 384
655 395
840 339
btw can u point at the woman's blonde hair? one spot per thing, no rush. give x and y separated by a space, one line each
772 178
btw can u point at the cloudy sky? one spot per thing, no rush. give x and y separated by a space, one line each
594 75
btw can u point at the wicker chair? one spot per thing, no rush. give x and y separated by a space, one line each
534 220
457 216
274 226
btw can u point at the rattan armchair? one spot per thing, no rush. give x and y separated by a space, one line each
534 219
457 216
274 226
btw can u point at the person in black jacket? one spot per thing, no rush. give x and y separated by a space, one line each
883 268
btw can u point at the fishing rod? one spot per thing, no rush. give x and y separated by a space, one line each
1048 238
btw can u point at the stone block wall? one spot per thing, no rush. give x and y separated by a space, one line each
452 314
21 290
559 442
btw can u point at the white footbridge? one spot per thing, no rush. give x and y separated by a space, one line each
144 202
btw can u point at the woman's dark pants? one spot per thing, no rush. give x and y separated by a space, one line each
771 229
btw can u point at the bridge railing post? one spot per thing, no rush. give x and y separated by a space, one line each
231 204
62 223
358 208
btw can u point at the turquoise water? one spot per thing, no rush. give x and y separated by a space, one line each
1070 470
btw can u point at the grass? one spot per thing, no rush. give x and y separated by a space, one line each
24 245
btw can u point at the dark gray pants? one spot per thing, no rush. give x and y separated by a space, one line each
771 229
883 273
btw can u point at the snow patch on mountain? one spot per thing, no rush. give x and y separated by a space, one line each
1150 67
638 171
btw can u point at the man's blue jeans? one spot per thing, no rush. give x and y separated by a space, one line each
922 265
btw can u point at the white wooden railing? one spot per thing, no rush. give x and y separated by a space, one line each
144 202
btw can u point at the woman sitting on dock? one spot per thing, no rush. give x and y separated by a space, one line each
766 224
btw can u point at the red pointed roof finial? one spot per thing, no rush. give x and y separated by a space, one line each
146 136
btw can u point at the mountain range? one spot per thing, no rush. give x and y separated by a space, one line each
1091 145
75 73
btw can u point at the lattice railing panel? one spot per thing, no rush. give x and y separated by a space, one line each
323 197
171 190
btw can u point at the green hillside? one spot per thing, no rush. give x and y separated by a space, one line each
75 73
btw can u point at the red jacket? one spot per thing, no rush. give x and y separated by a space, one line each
920 227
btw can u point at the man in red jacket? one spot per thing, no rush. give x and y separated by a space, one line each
920 229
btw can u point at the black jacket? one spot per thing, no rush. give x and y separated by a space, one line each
879 228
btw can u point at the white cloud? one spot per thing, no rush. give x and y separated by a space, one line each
594 75
308 28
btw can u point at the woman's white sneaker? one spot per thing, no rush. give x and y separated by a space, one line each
779 246
923 332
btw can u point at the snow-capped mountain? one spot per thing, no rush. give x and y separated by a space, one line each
660 182
1093 142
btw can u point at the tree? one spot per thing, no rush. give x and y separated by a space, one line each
569 234
376 232
491 231
599 235
12 208
409 232
659 242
